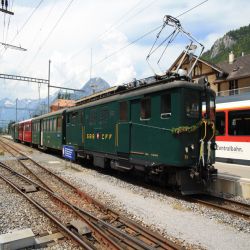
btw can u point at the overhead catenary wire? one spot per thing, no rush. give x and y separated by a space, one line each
27 20
51 31
38 31
138 39
117 23
25 23
8 25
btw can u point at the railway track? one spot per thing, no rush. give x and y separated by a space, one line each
227 205
107 228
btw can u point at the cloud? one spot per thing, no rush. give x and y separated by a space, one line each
69 45
120 66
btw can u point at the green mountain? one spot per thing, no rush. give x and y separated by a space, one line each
237 41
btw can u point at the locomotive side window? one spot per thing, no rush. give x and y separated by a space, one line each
74 115
145 108
92 117
192 105
166 106
104 115
239 122
220 123
68 118
123 111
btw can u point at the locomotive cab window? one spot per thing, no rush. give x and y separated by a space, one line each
220 123
123 111
239 122
192 106
166 106
145 109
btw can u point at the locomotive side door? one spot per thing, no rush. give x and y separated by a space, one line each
123 128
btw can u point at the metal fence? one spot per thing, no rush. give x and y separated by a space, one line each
234 92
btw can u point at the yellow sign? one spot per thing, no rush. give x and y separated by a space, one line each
99 136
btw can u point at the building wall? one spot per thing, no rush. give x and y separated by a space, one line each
243 83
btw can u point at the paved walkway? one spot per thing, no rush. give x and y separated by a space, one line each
237 171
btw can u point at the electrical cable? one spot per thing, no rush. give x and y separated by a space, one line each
27 20
51 31
36 35
7 32
116 24
24 24
139 38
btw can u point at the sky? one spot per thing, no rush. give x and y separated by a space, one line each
66 31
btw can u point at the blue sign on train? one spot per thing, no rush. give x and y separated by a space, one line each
69 152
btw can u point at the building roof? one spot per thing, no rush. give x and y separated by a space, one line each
215 67
240 68
63 103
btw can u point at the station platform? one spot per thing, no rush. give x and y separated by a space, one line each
233 179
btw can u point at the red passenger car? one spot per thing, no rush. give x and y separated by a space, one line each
24 131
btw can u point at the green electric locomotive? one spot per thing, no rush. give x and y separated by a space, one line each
164 130
161 127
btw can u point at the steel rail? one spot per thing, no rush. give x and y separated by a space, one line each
223 207
95 230
155 238
48 214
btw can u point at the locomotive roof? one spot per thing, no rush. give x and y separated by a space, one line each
150 88
49 114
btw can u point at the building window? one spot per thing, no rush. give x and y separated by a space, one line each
145 108
166 106
239 122
220 123
233 87
123 111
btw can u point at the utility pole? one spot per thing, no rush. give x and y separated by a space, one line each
16 109
48 83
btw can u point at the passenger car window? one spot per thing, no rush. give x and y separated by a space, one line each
54 126
145 108
59 123
123 111
166 106
239 122
220 123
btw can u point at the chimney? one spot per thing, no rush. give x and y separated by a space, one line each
231 57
